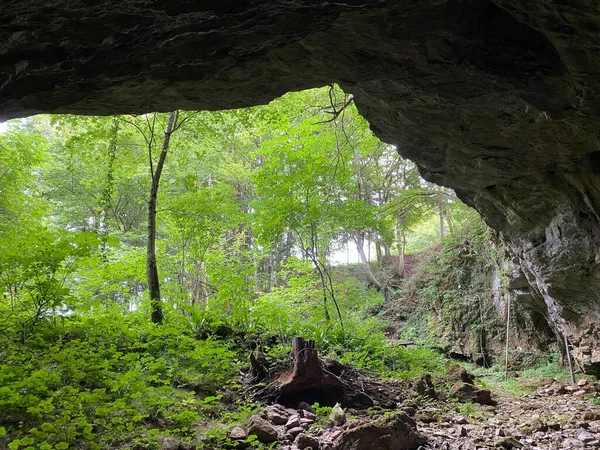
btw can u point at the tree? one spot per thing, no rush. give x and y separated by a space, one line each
155 174
149 135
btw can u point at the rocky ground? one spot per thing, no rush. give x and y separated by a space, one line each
463 417
558 416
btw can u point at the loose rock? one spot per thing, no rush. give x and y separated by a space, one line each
469 392
304 441
394 432
263 430
237 434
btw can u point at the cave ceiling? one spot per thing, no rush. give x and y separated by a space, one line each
498 100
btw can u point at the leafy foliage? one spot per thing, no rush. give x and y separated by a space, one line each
254 206
102 381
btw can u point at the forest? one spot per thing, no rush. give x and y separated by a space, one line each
158 271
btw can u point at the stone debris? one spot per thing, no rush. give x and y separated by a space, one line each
582 388
294 429
552 419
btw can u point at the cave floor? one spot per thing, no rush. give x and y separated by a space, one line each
556 416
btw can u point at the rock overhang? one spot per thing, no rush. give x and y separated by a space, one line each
495 99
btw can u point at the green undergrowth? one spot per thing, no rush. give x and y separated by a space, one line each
520 382
272 320
111 379
451 288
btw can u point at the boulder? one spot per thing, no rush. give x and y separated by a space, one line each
278 414
338 415
295 431
293 422
304 441
263 430
306 407
456 372
424 387
390 432
470 393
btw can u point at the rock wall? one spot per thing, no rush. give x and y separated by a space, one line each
495 99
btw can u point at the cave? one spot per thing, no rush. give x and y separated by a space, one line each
498 100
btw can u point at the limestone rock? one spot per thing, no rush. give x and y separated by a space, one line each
337 416
303 406
237 434
585 436
304 441
308 415
424 386
170 443
295 431
293 422
305 422
461 431
263 430
470 393
278 414
408 410
508 443
393 432
456 372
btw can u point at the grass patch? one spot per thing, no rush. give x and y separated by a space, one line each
521 382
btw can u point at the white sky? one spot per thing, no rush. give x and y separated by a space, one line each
346 255
3 127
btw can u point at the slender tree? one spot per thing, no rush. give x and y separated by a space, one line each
151 265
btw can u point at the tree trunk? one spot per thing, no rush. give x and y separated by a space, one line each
201 284
378 251
324 289
449 220
360 239
151 265
441 214
401 247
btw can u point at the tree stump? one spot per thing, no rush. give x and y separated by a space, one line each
307 365
309 380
